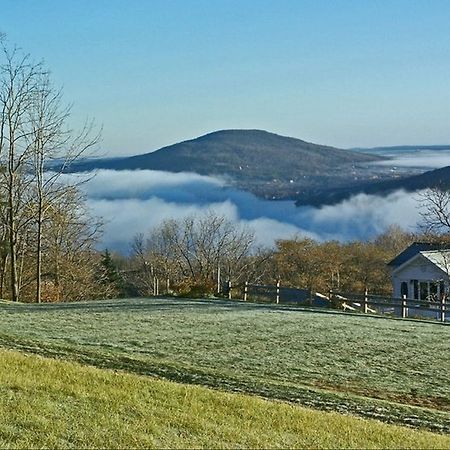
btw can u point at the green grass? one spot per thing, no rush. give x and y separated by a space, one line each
57 404
396 371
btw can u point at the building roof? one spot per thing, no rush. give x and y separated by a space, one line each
440 258
413 250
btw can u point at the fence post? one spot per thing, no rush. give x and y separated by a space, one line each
404 309
167 285
278 291
366 301
229 289
155 286
245 291
443 309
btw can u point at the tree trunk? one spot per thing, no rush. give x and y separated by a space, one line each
40 219
57 280
39 257
3 275
13 245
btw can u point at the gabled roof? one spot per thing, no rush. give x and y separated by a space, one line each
440 258
413 250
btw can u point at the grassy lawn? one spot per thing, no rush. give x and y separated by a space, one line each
392 370
49 403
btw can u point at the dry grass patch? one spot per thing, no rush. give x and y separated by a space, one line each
50 403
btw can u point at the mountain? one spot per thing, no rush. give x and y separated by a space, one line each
265 163
251 153
278 167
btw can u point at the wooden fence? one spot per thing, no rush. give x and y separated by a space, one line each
275 294
430 309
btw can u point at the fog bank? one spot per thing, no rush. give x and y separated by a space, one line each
134 202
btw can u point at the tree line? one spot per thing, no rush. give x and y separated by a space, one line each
195 256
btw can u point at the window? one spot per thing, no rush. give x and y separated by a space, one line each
424 289
404 289
416 289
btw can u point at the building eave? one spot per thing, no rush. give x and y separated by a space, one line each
415 258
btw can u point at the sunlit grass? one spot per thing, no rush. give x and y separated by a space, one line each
49 403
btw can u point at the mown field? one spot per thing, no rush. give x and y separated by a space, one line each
392 370
46 403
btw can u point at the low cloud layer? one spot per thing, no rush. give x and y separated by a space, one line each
134 202
426 159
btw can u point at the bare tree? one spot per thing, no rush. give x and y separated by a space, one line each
435 210
192 250
52 141
72 264
33 134
394 240
18 89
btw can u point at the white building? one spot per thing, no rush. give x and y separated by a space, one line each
421 272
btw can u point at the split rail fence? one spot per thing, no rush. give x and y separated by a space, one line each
430 309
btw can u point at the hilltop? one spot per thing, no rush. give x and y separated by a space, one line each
265 163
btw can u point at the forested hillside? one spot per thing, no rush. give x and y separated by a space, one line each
253 154
438 178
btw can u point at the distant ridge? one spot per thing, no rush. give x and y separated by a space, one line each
437 178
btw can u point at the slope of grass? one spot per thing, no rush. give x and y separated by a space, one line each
396 371
48 403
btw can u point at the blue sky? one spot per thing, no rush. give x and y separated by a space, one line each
153 72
